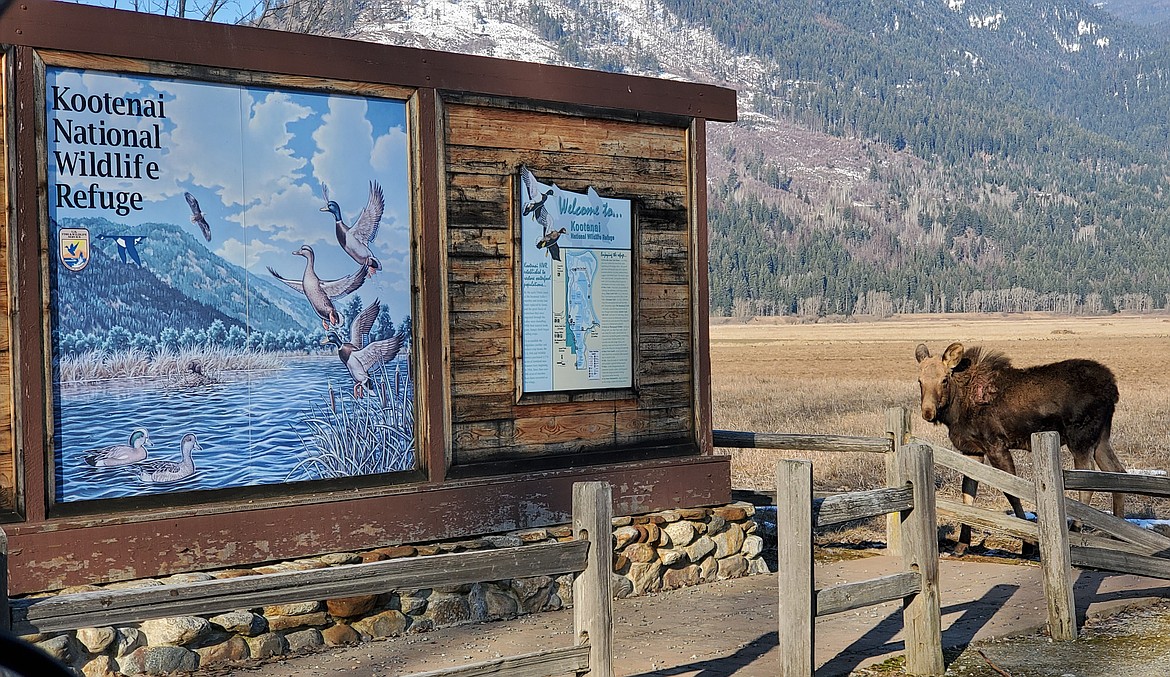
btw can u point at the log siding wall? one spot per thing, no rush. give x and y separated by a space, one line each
647 163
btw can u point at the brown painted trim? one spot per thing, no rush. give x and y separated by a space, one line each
12 504
45 556
702 298
431 297
27 298
574 110
166 69
81 28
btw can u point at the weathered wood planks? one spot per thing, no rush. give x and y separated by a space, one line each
850 596
567 660
7 446
648 163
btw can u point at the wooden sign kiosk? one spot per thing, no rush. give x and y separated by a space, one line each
158 174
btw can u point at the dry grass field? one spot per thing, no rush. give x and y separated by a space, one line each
840 378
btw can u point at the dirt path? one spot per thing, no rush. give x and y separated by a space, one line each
729 628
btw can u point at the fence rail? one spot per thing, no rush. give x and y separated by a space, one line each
589 559
1093 480
1115 544
857 505
78 610
739 439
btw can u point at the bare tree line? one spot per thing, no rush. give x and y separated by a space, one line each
318 17
1005 300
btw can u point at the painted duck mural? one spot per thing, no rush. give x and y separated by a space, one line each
356 240
320 293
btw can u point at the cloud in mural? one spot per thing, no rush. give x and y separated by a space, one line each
256 159
389 160
350 153
345 145
203 148
292 216
244 254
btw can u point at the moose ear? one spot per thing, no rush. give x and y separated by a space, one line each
922 352
952 355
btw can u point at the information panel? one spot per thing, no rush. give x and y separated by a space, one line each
577 289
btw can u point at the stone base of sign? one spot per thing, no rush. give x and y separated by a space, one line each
659 551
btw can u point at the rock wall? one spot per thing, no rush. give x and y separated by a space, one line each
653 552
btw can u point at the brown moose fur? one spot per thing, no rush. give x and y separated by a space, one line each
990 407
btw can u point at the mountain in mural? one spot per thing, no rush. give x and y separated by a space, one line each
176 283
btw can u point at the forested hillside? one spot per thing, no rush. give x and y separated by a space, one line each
1044 177
173 289
892 155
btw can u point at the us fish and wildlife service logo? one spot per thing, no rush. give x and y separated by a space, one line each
73 248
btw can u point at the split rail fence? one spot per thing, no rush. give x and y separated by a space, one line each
911 498
908 501
589 558
1113 544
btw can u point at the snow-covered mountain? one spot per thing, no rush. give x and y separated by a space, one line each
937 134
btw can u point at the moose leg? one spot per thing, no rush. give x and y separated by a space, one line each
1083 460
970 488
1001 459
1107 460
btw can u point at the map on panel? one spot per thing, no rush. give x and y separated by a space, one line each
576 294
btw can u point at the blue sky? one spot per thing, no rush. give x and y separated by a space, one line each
228 12
257 160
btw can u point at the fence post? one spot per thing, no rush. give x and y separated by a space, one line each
898 428
920 612
794 568
5 612
1052 519
592 601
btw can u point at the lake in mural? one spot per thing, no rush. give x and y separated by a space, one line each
230 293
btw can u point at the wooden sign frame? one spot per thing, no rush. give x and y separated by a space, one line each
523 480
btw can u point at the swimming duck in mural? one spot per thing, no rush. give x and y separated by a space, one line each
197 216
549 242
127 246
134 451
356 240
536 199
192 375
361 360
321 293
164 472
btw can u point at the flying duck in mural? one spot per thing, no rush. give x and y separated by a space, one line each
361 359
163 472
197 216
356 240
536 199
321 293
127 246
134 451
549 242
